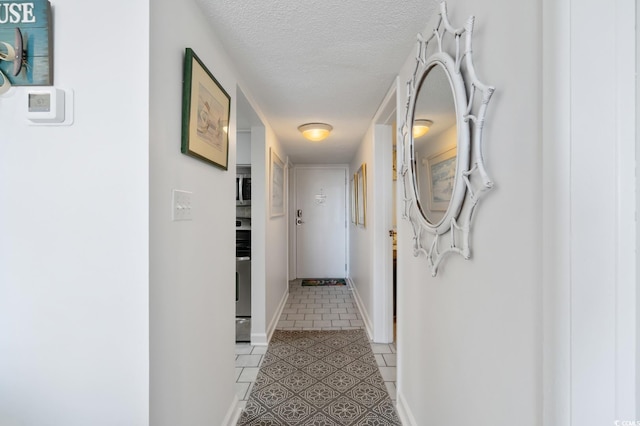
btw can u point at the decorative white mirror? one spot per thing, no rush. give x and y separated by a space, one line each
438 154
442 168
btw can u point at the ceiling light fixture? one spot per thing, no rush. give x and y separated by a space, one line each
421 127
315 131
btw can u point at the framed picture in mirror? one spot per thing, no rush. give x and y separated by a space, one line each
441 170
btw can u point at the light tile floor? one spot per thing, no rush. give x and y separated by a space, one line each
314 308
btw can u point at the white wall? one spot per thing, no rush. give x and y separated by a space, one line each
192 263
276 247
469 340
269 235
243 146
74 326
360 243
590 284
370 248
258 236
269 262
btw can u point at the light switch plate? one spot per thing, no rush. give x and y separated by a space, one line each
181 207
64 105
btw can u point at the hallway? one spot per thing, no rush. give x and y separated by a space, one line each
314 308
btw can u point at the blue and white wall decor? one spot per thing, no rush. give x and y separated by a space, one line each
25 44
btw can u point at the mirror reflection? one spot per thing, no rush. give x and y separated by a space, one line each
435 139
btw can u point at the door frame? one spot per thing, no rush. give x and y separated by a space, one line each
382 272
292 225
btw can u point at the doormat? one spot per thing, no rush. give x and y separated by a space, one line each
314 282
327 378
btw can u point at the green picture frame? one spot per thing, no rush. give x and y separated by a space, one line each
206 109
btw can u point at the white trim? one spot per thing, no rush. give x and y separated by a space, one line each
556 214
387 111
361 307
405 414
573 299
262 339
637 209
626 303
382 265
259 212
291 243
233 414
259 339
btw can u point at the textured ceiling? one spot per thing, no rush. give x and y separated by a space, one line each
328 61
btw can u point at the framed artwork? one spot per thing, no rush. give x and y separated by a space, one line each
354 195
362 195
26 44
441 170
206 107
276 178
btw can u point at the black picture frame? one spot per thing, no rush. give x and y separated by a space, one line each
206 109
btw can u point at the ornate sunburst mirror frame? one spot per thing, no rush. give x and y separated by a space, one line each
443 172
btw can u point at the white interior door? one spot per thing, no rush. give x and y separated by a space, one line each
320 215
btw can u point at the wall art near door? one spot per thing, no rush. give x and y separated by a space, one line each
276 173
354 199
362 195
25 44
206 108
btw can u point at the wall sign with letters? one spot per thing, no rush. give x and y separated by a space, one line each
25 43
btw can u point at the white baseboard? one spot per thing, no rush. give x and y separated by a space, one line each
274 321
233 415
262 339
259 339
365 315
406 417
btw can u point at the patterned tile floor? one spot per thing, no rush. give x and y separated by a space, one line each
314 308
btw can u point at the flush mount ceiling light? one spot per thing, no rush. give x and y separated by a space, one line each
421 127
315 131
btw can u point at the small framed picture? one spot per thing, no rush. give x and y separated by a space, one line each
362 195
354 199
206 107
277 185
441 170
